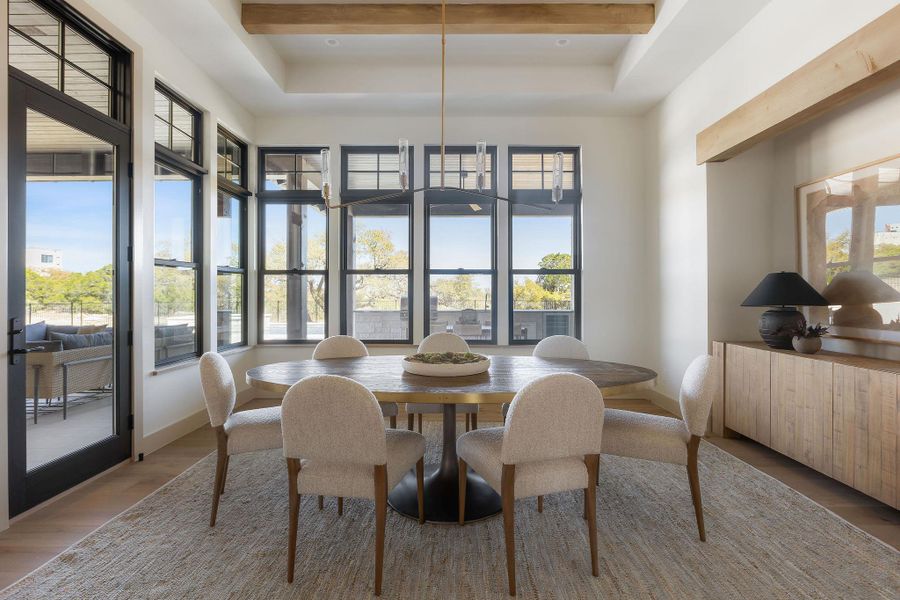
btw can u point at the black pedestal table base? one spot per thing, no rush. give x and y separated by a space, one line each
442 486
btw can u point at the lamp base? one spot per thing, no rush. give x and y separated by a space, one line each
778 326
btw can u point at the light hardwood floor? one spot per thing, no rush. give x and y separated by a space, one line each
40 535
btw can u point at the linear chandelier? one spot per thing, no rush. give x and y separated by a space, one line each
556 191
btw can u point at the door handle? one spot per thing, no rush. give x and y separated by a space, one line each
26 350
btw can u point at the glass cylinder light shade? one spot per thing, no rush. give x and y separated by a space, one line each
326 174
404 164
556 192
480 160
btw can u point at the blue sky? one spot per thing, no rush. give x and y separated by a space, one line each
838 221
75 217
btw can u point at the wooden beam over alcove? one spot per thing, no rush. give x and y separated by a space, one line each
856 65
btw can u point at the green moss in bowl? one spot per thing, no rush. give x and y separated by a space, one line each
446 358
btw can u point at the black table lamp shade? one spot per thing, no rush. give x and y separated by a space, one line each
785 291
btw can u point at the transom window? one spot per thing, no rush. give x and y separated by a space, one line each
231 157
460 242
293 171
59 54
176 124
533 170
377 254
545 274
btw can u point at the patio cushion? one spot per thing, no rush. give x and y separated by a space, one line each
87 340
36 332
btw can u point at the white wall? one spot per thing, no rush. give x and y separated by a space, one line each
172 395
690 204
614 298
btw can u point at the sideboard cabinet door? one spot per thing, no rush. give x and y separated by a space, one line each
747 392
802 410
866 424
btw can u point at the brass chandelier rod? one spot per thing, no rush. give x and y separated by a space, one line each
326 156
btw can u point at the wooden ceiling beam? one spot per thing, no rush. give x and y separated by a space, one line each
857 64
336 19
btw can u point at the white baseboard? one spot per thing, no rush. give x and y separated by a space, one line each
660 400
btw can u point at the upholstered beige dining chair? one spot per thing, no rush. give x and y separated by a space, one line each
558 346
550 443
236 432
441 342
666 439
335 444
345 346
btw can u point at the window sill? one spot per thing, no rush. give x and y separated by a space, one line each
176 366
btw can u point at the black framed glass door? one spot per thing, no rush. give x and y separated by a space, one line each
69 292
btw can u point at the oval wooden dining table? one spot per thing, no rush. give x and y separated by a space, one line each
385 377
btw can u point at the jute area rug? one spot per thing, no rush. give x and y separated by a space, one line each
764 541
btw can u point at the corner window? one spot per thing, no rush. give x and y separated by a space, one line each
231 241
293 232
545 275
178 241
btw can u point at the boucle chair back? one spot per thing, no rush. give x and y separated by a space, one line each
443 342
554 416
561 346
218 388
339 346
697 390
333 419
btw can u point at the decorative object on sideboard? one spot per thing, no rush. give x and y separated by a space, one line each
783 292
849 244
855 292
808 340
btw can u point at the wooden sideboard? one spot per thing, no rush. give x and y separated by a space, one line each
836 413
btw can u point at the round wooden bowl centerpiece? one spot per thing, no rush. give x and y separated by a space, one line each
446 364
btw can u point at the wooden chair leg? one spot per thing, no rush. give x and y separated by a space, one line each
293 466
221 465
540 504
694 480
468 422
340 506
419 421
463 478
225 474
380 517
410 424
393 420
590 494
321 502
420 488
474 421
508 501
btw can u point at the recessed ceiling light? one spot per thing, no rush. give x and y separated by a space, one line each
332 42
562 42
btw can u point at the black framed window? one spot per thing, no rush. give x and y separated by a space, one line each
293 247
544 246
178 243
460 246
176 124
231 241
377 247
69 55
